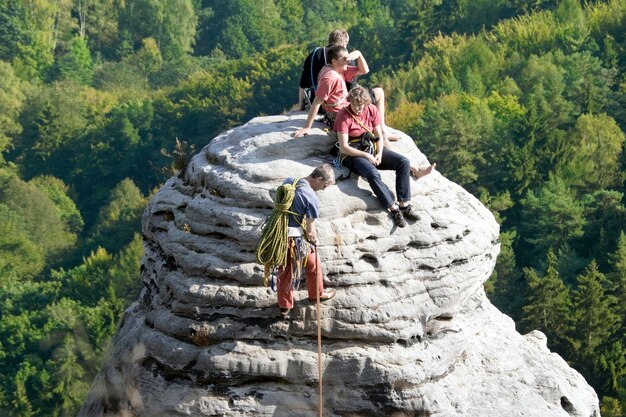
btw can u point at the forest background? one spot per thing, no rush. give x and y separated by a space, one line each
521 102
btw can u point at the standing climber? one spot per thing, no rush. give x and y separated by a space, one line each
303 240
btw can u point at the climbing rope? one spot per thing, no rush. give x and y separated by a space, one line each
272 252
273 245
319 334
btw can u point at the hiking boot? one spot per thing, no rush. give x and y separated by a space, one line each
408 213
398 218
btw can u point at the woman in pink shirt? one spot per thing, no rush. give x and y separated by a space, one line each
361 118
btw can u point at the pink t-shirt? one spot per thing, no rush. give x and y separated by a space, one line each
345 123
331 87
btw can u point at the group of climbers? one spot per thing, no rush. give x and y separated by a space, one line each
335 79
362 112
356 115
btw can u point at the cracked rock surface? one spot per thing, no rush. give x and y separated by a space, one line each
410 332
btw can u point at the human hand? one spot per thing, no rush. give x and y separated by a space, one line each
372 159
354 55
379 159
301 132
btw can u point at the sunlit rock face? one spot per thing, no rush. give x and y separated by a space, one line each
410 332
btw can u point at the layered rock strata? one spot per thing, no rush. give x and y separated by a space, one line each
410 332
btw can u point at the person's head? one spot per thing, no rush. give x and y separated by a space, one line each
339 37
338 57
322 177
359 97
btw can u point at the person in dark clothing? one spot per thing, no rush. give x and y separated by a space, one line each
314 63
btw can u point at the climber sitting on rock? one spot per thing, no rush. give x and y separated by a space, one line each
303 241
358 128
332 92
314 63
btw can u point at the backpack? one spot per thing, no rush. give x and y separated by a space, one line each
309 93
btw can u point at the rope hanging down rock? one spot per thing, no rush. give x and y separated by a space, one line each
319 337
272 253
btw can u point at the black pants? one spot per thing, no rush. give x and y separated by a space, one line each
391 161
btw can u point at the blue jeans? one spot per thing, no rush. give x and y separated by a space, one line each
390 161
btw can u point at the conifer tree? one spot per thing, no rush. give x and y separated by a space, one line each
507 279
605 214
550 218
618 277
595 321
76 64
549 307
570 264
618 284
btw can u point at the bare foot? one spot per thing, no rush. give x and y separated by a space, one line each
420 172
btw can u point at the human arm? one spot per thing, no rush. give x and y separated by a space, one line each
300 105
360 61
380 144
315 106
310 230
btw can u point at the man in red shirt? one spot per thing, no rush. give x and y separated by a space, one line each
314 63
332 92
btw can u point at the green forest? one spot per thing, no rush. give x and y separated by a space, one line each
523 103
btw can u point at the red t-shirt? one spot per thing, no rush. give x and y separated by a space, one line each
345 123
331 87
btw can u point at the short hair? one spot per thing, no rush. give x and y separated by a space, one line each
339 37
334 52
359 95
325 172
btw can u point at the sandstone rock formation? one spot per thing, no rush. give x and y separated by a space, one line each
410 332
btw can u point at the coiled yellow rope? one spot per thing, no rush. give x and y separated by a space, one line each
273 244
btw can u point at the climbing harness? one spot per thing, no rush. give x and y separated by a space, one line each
299 253
367 142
